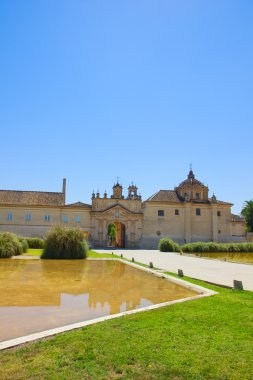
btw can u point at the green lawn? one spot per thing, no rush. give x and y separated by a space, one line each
92 254
33 252
209 338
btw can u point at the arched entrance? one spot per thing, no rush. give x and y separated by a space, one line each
116 235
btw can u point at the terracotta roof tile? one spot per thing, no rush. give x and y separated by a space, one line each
164 196
78 204
31 198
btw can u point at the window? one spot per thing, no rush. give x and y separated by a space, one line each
197 195
160 212
219 231
47 218
176 212
78 219
218 213
198 211
65 219
28 217
9 216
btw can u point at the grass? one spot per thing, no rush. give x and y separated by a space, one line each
91 254
205 339
33 252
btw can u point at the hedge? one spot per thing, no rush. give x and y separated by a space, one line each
217 247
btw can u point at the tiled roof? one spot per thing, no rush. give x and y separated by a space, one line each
31 198
237 218
224 203
78 204
164 196
191 180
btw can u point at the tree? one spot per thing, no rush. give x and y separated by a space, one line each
247 212
112 232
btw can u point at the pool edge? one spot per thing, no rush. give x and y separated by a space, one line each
203 292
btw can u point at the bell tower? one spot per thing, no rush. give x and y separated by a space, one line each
117 191
132 192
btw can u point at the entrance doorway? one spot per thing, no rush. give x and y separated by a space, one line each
116 235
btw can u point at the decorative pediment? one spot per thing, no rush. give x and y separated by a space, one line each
117 211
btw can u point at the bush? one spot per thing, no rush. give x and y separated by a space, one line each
168 245
217 247
24 244
201 247
246 247
65 243
9 245
35 242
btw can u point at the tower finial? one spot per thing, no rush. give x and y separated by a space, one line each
190 166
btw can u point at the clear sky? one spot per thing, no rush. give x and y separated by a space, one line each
94 89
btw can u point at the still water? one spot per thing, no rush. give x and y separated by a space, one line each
36 295
237 257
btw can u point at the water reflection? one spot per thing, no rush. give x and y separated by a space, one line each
237 257
36 295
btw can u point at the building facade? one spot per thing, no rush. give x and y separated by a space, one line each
185 214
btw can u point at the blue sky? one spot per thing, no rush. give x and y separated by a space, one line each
94 89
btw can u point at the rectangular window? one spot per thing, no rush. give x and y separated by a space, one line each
65 219
78 219
176 212
160 212
28 217
198 211
47 218
218 213
197 195
9 216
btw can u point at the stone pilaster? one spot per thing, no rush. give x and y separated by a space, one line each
187 223
215 222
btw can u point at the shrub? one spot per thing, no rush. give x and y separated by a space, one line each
201 247
24 244
168 245
217 247
35 242
65 243
9 245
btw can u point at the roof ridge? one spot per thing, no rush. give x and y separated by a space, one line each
152 196
164 195
33 191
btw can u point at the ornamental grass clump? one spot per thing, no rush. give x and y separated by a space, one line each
168 245
201 247
210 247
65 243
246 247
9 245
24 244
35 242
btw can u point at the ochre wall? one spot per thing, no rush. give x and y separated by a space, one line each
38 226
143 226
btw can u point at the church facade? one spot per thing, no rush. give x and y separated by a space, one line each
185 214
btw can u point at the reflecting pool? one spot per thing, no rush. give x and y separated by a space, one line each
37 295
237 257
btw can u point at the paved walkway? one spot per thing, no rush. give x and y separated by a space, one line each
215 271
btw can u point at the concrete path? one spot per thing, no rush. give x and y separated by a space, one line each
215 271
